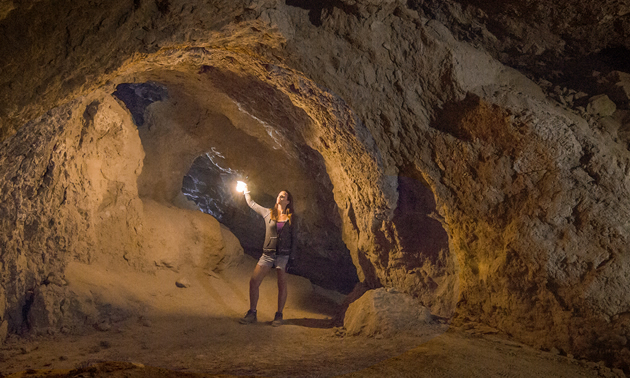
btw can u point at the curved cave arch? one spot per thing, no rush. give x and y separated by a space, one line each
262 101
188 123
231 103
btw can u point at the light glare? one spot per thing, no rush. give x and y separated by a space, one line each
240 186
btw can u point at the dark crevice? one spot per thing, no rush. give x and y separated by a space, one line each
553 288
91 110
421 237
314 7
353 217
318 8
615 58
138 96
209 187
163 6
29 298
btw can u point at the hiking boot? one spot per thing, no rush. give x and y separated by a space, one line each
249 318
277 320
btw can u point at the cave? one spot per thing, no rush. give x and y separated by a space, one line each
459 172
226 154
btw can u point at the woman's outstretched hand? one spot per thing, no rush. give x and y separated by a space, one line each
241 187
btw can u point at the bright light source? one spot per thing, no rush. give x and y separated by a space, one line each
240 186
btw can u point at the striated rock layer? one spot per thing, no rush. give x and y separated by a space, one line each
456 179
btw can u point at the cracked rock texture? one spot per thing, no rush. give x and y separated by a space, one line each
488 193
385 312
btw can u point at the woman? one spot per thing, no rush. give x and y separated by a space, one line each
278 248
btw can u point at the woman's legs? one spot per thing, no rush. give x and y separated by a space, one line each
282 289
254 284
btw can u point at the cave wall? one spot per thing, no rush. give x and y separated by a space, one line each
60 199
70 194
538 238
198 120
531 192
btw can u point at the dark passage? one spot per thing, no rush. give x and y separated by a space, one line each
137 96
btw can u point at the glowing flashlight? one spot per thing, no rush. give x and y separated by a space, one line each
240 186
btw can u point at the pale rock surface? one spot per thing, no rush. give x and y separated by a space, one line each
385 312
176 238
184 203
601 105
86 186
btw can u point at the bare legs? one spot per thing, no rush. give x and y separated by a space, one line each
282 289
254 286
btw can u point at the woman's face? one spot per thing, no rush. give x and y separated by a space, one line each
283 199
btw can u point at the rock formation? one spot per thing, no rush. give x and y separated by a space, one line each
468 167
385 312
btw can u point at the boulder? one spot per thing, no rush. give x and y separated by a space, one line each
55 308
601 105
385 312
619 88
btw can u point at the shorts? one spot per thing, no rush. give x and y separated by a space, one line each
269 260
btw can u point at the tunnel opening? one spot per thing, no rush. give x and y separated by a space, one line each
186 134
211 186
137 96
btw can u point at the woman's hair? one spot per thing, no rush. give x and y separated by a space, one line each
289 209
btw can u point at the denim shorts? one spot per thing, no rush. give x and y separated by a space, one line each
269 260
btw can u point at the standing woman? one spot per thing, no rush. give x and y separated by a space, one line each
279 246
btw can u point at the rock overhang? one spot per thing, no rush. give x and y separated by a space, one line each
256 135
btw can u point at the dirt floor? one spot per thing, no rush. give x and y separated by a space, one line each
194 332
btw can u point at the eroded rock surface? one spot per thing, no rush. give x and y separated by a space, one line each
528 177
386 313
78 202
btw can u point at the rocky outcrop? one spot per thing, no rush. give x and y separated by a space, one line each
70 194
522 191
386 313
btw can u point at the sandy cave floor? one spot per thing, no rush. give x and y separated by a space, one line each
194 331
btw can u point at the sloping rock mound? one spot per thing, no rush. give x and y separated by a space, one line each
385 312
80 165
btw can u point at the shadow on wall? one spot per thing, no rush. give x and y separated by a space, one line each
421 235
422 250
